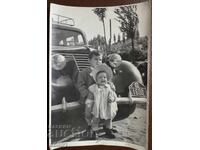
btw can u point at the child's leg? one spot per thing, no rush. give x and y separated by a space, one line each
88 113
94 127
108 123
109 132
95 123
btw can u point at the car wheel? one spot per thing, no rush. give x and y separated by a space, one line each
124 111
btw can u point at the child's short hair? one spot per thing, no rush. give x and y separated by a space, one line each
94 53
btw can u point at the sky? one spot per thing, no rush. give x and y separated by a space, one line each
88 22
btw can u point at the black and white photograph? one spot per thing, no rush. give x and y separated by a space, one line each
98 68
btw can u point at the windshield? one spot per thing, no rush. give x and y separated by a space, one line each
62 37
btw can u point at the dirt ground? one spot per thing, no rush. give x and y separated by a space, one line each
131 129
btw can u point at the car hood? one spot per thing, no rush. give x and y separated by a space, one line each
69 49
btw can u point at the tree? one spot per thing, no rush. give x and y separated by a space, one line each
97 42
123 37
101 13
128 18
114 38
119 38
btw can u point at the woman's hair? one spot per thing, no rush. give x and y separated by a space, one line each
114 56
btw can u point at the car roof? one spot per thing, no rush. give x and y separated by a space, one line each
68 27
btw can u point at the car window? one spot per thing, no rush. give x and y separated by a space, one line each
67 38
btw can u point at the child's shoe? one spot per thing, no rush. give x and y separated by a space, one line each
109 134
113 130
94 136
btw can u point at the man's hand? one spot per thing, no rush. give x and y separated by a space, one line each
110 100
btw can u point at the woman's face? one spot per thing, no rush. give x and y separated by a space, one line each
101 78
115 63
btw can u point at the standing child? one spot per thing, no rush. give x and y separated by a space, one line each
85 79
104 97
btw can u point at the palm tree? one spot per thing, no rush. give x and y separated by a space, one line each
101 13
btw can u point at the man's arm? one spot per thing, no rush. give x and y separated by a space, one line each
82 86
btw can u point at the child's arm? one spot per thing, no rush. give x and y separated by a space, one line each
112 96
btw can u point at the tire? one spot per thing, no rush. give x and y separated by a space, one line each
124 111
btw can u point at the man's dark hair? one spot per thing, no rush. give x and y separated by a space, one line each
94 53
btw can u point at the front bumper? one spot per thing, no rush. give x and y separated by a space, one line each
74 105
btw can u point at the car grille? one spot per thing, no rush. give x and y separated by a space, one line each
81 60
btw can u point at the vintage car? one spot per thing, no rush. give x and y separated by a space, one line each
71 42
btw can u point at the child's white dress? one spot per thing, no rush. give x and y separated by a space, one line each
102 108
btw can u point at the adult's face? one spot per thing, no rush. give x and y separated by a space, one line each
115 63
95 61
